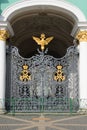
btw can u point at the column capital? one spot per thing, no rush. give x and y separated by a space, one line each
78 27
4 34
82 36
5 25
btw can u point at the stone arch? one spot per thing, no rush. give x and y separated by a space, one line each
58 5
67 16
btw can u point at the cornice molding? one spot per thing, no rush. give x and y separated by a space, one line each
80 26
6 26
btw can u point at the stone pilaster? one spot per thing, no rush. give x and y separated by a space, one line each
3 36
82 37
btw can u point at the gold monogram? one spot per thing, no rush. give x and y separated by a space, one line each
4 35
82 36
25 75
59 76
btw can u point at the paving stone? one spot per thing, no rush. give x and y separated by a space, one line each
56 122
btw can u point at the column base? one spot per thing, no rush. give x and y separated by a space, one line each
2 111
82 111
83 104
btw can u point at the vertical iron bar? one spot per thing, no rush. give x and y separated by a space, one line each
71 107
13 106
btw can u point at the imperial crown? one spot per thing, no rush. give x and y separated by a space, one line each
59 67
25 67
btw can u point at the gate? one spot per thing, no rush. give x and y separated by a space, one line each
42 83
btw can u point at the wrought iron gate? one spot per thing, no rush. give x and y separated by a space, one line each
42 82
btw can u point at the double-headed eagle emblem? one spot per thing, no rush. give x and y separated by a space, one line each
42 41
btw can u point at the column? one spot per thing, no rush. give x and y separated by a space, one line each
82 37
3 36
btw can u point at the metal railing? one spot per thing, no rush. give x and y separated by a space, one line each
42 105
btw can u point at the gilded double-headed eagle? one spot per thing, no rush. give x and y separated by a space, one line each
42 41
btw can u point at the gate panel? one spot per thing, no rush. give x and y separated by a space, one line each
43 83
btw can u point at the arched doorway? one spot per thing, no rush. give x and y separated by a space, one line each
53 23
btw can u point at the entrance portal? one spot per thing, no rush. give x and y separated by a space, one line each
42 82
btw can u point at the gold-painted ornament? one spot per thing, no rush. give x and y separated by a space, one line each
82 36
4 35
25 75
59 76
42 41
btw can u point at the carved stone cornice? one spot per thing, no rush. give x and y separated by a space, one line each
82 36
4 35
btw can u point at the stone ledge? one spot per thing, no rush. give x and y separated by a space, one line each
82 111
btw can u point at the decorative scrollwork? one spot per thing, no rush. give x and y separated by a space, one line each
82 36
36 81
4 35
59 76
25 75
